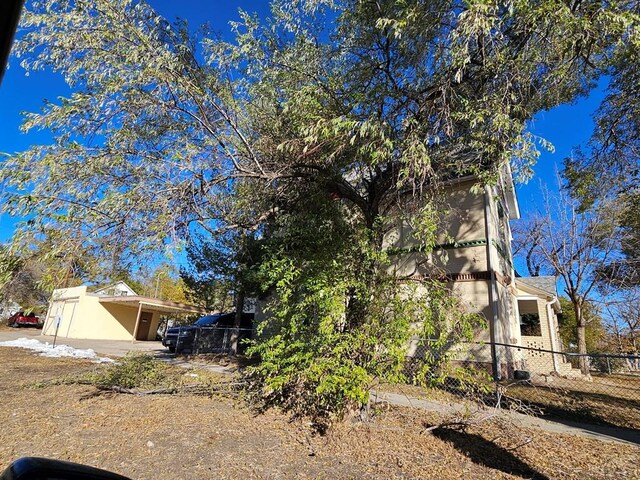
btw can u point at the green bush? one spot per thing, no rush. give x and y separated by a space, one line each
335 329
340 318
136 370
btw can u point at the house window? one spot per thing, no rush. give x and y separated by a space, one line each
530 325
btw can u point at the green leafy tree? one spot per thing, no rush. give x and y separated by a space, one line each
165 283
363 107
338 322
207 278
222 275
595 334
394 93
608 167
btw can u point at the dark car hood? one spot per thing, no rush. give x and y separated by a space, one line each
177 330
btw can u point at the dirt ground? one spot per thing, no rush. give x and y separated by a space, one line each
189 437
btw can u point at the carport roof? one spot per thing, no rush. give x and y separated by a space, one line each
153 304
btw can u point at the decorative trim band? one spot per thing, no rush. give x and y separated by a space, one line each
465 277
440 246
468 277
454 277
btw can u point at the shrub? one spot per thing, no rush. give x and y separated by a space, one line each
319 356
136 370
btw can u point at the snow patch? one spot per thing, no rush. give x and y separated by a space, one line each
47 350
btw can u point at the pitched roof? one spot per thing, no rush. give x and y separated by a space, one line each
119 283
546 283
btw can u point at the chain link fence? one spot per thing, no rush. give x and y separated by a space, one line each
531 380
535 380
212 339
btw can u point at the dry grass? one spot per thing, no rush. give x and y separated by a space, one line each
188 437
606 400
611 400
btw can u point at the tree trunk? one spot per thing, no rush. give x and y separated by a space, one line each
237 322
357 309
582 338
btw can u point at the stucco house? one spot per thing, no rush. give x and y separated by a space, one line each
474 252
114 312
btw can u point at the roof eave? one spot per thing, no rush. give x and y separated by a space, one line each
154 304
511 198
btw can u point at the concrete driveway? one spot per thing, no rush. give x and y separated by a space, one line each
110 348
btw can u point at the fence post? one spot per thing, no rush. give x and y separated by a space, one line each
224 340
195 349
608 365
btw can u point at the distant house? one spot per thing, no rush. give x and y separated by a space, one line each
115 289
114 312
8 308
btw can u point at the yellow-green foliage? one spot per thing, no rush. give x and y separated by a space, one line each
136 371
339 321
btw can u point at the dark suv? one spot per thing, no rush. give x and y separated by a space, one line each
210 334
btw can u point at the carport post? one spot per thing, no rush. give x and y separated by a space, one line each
135 330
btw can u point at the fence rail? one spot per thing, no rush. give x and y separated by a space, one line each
543 380
534 359
213 340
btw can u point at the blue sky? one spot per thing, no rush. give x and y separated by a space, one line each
20 93
565 126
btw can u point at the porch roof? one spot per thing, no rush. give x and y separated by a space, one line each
543 287
546 283
153 304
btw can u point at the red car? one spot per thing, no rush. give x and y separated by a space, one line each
21 319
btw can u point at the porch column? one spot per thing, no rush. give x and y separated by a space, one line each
552 335
135 330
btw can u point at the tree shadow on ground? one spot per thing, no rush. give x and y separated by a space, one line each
599 409
486 453
613 398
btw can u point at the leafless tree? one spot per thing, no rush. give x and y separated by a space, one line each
22 286
573 245
624 324
526 239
